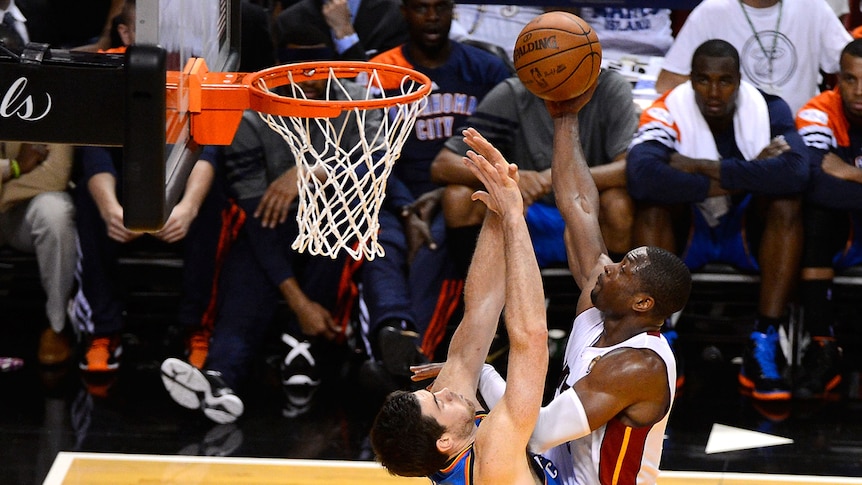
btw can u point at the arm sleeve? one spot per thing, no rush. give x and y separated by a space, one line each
650 178
211 155
341 45
563 419
491 386
782 175
96 160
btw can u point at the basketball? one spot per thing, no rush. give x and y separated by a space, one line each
557 56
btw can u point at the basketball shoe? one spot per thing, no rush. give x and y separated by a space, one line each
192 388
821 369
102 355
760 373
398 350
300 377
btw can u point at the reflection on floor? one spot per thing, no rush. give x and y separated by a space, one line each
713 428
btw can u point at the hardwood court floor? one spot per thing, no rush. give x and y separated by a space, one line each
112 469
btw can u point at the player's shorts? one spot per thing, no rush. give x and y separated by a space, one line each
547 227
729 242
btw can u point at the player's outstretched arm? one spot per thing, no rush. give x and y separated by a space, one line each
484 295
576 194
501 440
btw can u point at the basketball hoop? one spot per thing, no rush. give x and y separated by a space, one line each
341 187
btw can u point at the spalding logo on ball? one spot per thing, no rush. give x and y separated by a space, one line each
557 56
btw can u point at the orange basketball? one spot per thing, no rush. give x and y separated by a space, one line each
557 56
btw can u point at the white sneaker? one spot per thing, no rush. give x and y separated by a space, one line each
193 389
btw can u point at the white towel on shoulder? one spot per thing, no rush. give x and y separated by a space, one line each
751 129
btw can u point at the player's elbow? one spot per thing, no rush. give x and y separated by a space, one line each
532 335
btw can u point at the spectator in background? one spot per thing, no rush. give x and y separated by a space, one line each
37 216
412 292
262 269
194 222
351 29
829 124
494 24
718 168
841 9
783 44
630 31
36 211
516 122
97 309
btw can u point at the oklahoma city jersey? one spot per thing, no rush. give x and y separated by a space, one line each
457 87
459 471
614 454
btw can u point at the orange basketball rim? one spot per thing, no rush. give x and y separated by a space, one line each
217 99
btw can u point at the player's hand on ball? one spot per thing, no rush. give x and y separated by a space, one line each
570 106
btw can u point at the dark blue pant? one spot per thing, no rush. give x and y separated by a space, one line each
248 298
394 290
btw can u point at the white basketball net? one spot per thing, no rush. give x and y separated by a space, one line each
342 185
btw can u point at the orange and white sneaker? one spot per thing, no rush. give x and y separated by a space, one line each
198 347
102 355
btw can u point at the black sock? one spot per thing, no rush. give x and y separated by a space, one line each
819 312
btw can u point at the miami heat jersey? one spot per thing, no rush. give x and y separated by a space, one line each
614 453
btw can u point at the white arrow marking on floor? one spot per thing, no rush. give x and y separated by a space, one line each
727 438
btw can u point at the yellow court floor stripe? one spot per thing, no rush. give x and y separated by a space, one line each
71 468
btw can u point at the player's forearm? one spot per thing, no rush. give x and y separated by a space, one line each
484 294
525 301
103 190
577 198
198 185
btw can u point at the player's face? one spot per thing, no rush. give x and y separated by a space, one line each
618 282
716 83
850 86
452 410
429 21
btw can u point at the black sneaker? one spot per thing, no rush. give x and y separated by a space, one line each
193 389
300 377
398 350
820 370
760 373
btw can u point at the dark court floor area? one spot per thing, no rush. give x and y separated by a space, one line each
713 427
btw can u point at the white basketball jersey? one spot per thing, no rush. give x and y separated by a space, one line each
614 453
